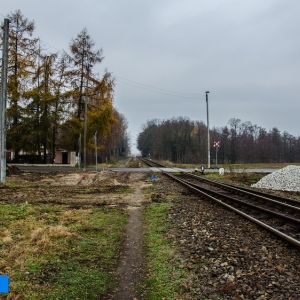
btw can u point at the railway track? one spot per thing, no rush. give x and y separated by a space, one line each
151 163
279 215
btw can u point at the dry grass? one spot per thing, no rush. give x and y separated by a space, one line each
41 244
29 239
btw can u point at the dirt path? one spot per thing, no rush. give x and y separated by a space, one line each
131 267
88 189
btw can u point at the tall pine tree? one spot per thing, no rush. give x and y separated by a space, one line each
21 59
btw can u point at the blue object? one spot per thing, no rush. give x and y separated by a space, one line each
153 177
4 279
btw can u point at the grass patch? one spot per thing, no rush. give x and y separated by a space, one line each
239 178
229 166
54 252
257 166
147 191
22 185
164 278
124 190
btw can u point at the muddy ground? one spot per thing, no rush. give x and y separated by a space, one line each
225 257
87 190
71 188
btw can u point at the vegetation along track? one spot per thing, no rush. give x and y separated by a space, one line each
276 216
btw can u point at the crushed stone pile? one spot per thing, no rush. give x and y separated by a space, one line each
286 179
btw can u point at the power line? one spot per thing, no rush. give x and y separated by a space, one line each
154 91
157 88
137 84
146 87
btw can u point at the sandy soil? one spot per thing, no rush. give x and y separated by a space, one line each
72 188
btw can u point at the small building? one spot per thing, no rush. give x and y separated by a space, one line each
65 157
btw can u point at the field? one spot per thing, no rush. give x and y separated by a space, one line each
61 234
67 236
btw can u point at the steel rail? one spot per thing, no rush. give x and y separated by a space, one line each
252 219
294 201
253 191
269 228
279 215
151 163
252 194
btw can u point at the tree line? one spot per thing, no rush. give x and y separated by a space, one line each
185 141
46 95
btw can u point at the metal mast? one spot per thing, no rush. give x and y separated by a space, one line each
208 141
3 102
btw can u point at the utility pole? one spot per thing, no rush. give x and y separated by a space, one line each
208 141
85 116
3 102
96 154
79 151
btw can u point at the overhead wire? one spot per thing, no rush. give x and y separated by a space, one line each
174 95
152 87
145 86
137 84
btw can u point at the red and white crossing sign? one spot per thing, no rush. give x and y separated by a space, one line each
216 145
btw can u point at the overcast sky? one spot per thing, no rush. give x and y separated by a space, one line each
166 54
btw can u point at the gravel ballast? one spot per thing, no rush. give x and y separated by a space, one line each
286 179
227 256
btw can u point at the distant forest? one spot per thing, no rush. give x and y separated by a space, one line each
184 141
